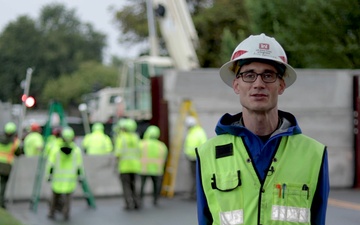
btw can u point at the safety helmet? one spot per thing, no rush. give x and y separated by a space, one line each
131 125
121 123
259 47
10 128
35 127
190 121
97 126
68 134
152 132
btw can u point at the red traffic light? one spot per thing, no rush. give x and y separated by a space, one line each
28 100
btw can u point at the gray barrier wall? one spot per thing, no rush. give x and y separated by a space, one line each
101 174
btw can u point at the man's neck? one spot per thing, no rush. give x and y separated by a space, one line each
261 124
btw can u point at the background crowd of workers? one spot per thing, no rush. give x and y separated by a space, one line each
139 157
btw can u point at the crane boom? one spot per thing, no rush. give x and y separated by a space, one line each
178 32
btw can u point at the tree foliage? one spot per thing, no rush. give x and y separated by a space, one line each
210 24
20 48
315 33
90 77
55 44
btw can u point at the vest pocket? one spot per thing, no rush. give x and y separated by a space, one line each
226 182
227 191
291 204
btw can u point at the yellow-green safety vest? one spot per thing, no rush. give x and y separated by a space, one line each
128 152
7 151
235 195
153 156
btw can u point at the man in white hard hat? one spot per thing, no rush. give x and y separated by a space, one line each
195 137
260 168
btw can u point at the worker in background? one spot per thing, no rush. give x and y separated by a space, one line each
260 168
97 142
195 137
9 147
153 157
34 141
53 140
64 169
118 128
127 152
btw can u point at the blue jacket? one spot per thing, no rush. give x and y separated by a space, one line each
261 154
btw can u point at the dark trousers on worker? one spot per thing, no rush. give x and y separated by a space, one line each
128 181
156 187
193 179
3 182
60 202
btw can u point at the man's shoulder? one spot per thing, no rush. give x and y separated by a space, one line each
222 139
304 137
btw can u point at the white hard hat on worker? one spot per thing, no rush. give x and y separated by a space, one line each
258 48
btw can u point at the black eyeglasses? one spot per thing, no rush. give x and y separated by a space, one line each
250 76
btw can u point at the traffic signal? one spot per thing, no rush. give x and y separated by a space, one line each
28 100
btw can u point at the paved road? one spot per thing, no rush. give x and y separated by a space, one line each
344 208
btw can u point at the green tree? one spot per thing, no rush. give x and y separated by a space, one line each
90 77
315 33
57 43
20 48
211 23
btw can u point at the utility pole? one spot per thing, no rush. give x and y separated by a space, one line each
29 72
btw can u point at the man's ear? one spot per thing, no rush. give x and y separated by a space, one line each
236 86
282 87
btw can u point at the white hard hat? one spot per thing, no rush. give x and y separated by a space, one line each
190 121
259 47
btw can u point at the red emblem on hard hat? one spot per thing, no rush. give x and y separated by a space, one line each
283 58
238 53
264 46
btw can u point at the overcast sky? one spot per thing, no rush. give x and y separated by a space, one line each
95 12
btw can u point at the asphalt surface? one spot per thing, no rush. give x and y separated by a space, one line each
344 208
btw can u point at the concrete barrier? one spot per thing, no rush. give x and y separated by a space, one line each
101 174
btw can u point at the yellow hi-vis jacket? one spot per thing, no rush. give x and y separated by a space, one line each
127 150
63 170
195 137
97 143
33 144
235 194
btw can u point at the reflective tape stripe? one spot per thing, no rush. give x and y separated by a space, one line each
290 214
63 179
235 217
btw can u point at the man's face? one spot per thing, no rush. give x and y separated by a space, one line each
258 97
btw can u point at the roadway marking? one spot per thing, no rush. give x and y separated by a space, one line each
344 204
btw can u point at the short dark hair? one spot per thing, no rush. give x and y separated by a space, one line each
278 66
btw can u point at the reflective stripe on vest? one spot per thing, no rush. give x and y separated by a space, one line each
235 193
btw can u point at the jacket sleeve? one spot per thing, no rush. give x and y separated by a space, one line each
203 212
319 205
